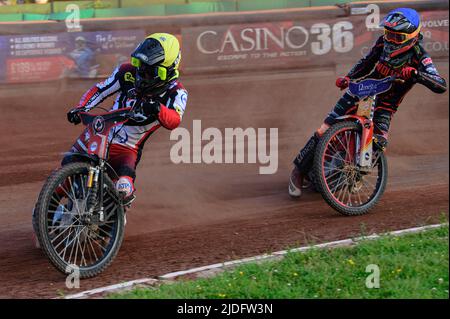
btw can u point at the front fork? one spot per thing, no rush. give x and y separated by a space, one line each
95 190
365 145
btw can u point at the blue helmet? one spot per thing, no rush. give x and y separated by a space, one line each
401 30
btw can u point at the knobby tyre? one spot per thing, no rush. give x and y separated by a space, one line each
65 234
342 184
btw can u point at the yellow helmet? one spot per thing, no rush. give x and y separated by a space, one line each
157 59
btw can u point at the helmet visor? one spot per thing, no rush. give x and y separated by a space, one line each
149 72
150 78
399 37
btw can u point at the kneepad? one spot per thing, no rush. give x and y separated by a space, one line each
125 184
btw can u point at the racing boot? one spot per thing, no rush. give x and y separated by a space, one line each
296 183
126 203
380 142
125 188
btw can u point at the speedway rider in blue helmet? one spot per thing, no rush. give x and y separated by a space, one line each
398 52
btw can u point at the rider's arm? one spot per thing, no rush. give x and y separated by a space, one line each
99 92
429 76
366 65
170 115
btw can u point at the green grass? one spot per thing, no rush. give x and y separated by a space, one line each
411 266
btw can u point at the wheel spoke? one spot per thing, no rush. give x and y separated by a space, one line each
339 184
64 238
342 190
70 244
86 242
335 151
339 159
348 194
65 247
101 247
111 213
342 143
67 194
68 227
375 160
73 193
369 191
82 246
93 249
337 171
77 242
103 231
359 198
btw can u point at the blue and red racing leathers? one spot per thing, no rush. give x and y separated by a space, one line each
377 64
129 138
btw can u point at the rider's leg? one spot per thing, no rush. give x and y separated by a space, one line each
304 160
302 164
382 120
124 161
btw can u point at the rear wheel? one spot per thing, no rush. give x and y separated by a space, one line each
69 235
346 187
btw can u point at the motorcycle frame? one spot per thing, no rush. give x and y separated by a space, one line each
98 146
364 143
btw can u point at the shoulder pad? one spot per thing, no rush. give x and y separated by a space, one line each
127 72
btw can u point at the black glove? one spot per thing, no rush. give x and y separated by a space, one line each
151 108
73 115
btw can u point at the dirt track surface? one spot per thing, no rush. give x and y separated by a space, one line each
190 215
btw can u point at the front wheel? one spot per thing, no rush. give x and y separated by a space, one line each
346 187
73 238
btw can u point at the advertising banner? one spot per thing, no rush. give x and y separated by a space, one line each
3 49
267 44
217 48
296 43
48 57
435 31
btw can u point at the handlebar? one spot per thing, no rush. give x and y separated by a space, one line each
394 78
119 115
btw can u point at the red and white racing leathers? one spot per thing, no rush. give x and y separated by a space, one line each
129 138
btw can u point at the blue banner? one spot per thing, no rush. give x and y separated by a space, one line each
29 58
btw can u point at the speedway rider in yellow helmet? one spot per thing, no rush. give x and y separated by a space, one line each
151 77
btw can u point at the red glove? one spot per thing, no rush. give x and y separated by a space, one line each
342 82
408 72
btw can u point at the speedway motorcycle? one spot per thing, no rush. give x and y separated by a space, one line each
350 170
79 216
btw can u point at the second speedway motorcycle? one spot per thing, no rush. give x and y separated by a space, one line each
349 170
79 216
